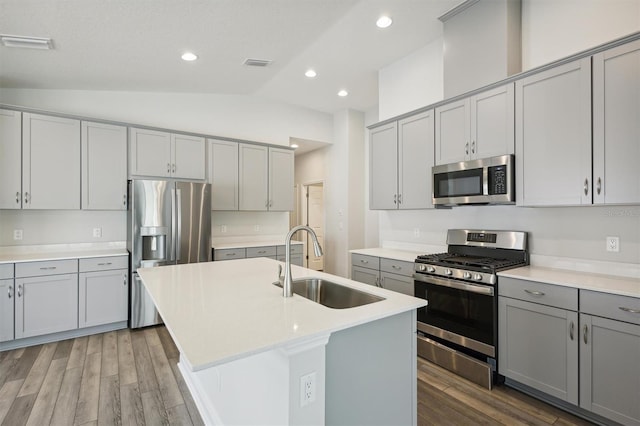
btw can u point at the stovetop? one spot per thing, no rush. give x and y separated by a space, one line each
469 262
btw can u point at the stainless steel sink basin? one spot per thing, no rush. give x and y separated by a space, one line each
330 294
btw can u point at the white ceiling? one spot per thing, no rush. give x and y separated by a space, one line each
135 45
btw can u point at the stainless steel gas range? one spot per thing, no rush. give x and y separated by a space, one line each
458 330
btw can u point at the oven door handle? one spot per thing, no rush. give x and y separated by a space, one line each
480 289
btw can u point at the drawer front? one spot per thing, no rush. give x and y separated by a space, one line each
622 308
6 270
295 249
261 251
296 259
229 254
396 267
51 267
364 261
103 263
536 292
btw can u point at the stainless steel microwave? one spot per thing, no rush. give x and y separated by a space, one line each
485 181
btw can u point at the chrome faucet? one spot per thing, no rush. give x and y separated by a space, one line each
287 290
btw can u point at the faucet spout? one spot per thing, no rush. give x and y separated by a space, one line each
287 288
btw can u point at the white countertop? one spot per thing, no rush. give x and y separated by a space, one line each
221 311
243 244
18 254
582 280
395 254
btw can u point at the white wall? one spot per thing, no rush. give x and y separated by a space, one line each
243 224
310 167
235 116
551 29
554 29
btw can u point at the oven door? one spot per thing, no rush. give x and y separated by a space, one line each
459 312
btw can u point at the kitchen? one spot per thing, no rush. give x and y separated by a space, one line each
568 232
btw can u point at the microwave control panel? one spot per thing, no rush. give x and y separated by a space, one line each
497 180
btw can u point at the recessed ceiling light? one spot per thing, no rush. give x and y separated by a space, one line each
343 93
294 145
26 42
310 73
188 56
384 21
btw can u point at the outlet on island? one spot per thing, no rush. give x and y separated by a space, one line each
97 232
17 234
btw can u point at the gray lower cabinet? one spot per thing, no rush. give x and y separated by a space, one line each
103 292
271 252
391 274
7 294
609 356
365 275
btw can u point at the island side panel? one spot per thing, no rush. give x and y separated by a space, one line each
371 373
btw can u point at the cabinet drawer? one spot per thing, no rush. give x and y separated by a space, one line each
228 254
261 251
296 259
364 261
50 267
536 292
622 308
6 270
295 249
104 263
396 267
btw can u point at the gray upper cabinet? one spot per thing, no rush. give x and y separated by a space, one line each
50 162
10 159
616 133
401 157
161 154
265 178
553 136
104 166
281 186
476 127
223 174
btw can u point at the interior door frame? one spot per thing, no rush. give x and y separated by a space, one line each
303 219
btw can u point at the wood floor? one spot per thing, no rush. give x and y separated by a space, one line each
130 377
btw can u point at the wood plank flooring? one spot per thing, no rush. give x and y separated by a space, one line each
130 377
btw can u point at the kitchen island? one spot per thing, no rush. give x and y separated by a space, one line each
250 356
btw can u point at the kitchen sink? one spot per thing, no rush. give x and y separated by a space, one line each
330 294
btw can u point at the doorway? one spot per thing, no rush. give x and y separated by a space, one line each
313 216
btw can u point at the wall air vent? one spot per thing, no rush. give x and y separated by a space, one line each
257 62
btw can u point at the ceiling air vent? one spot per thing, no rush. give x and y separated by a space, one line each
257 62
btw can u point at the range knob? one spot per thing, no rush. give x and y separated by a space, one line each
431 269
447 272
477 277
466 275
422 268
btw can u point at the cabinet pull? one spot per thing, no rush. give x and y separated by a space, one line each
266 203
571 327
466 148
124 280
230 254
104 264
585 333
364 261
27 197
262 252
19 290
124 200
48 268
586 186
631 311
473 147
270 203
534 293
9 293
399 198
381 282
17 197
396 267
168 168
599 185
395 198
173 168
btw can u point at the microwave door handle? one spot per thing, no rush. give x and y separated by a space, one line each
485 181
455 284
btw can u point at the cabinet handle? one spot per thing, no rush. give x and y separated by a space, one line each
48 268
473 147
599 185
266 204
396 267
466 148
364 261
230 254
631 311
381 282
168 168
19 290
27 197
9 293
585 333
124 200
395 198
124 280
104 264
534 293
261 252
399 198
586 186
270 203
571 327
173 168
17 197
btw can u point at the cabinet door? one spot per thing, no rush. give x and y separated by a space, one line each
616 133
609 373
50 162
46 304
538 346
281 185
150 153
10 159
492 122
383 167
223 174
395 282
103 297
553 136
253 180
416 158
104 167
453 123
187 157
7 295
365 275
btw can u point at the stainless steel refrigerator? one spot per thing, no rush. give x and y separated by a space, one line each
168 223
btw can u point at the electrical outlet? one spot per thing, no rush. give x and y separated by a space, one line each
256 228
416 232
613 244
17 234
97 232
223 229
307 389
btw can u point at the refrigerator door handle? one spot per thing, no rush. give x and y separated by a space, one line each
174 241
179 220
